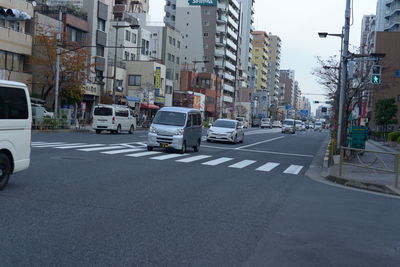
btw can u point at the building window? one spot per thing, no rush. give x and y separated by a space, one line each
207 11
145 47
135 80
134 38
206 23
173 41
75 35
177 76
169 57
168 89
170 40
397 73
178 60
100 51
205 34
101 25
179 44
126 55
2 59
127 35
172 58
133 56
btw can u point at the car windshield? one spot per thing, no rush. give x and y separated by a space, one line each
288 123
318 123
170 118
239 119
224 124
103 111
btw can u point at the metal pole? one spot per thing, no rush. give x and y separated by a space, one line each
343 76
58 52
115 64
341 161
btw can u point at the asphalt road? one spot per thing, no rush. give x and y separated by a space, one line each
102 202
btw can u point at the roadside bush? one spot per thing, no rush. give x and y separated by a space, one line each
393 136
398 140
206 124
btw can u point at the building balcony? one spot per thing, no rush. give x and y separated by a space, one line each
229 77
230 55
228 99
16 42
233 23
219 63
219 52
233 12
220 41
221 29
232 33
222 7
229 88
230 66
222 19
231 44
393 9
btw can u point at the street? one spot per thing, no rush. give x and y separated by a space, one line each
104 200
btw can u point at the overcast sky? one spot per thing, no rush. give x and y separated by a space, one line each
297 23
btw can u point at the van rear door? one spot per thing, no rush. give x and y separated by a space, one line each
103 116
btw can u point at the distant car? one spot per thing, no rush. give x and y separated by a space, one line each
256 123
318 126
307 125
266 123
113 118
277 124
303 126
288 126
311 125
298 125
244 122
226 130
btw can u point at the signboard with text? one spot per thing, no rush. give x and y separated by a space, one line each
157 84
202 2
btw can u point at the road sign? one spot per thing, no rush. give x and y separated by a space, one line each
304 112
287 107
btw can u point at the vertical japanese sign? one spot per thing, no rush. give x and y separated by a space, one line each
157 84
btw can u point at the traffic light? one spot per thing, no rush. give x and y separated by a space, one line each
13 14
376 74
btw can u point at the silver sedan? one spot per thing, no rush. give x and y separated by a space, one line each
226 130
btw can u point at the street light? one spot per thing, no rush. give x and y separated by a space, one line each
325 34
132 26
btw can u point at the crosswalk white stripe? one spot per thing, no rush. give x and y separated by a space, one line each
169 156
217 161
268 167
41 146
121 151
143 154
37 143
293 169
242 164
79 146
100 148
141 143
193 159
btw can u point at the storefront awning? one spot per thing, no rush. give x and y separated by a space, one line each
151 106
133 99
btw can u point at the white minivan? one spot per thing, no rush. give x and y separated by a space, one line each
15 129
113 118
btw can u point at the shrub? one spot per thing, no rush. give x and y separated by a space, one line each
393 136
398 140
206 124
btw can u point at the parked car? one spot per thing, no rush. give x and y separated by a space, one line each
177 128
113 118
226 130
256 123
266 123
277 124
311 125
244 122
303 126
15 129
318 126
39 112
288 126
298 124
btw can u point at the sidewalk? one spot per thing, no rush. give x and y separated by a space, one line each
366 178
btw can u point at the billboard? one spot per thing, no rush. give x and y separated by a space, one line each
157 84
202 2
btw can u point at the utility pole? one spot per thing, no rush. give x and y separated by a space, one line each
343 75
115 64
58 52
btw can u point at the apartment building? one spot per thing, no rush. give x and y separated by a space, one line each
16 42
287 85
274 64
260 57
121 7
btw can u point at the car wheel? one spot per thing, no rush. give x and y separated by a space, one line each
208 140
150 148
118 129
98 131
5 170
235 140
183 149
197 147
131 130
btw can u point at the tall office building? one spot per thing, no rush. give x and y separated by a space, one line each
210 35
387 15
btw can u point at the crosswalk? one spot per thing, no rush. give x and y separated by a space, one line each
138 150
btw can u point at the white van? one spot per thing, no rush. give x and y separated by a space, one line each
113 118
15 129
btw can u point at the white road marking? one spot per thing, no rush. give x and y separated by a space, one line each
169 156
268 167
143 154
262 151
193 159
242 164
46 143
79 146
100 148
42 143
217 161
114 152
75 144
266 141
141 143
293 169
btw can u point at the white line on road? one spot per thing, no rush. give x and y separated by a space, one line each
242 164
268 167
75 144
262 151
45 143
217 161
100 148
193 159
169 156
266 141
293 169
114 152
137 155
79 146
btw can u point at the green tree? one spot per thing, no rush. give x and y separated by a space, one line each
385 112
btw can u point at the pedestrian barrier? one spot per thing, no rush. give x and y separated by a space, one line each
376 160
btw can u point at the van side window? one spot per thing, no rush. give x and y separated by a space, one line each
13 104
121 113
189 120
196 119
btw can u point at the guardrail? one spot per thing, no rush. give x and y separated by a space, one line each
351 154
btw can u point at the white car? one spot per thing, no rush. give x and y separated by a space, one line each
277 124
318 126
298 125
113 118
15 129
226 130
266 123
288 126
244 122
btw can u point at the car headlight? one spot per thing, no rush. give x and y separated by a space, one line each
180 132
230 133
152 129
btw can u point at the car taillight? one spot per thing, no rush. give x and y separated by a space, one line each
113 120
